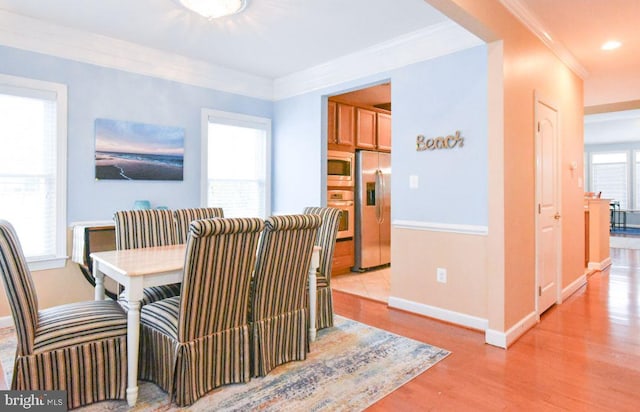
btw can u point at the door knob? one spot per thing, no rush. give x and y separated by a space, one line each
556 216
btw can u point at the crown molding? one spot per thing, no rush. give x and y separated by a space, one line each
35 35
431 42
529 19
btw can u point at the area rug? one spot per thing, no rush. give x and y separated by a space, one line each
350 367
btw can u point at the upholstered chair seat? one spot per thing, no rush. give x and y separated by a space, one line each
80 348
195 342
322 282
327 241
78 323
279 307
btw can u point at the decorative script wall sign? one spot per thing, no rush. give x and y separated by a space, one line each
447 142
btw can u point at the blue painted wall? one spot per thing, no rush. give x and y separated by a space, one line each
433 98
297 167
436 98
97 92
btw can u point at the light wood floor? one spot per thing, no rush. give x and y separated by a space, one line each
584 355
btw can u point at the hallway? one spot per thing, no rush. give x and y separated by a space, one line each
583 355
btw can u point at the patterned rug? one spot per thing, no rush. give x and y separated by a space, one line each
350 367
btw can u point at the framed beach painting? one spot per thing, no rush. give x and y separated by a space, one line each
138 151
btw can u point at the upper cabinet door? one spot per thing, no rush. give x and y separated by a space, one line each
346 126
365 129
384 132
331 123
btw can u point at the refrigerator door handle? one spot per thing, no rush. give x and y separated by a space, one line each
383 189
379 195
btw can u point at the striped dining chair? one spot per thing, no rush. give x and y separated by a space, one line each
183 217
146 228
80 347
327 241
195 342
278 314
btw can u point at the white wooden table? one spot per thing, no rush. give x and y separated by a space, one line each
136 269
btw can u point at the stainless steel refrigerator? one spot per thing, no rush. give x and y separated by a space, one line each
373 210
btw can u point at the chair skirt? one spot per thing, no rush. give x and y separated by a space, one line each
279 340
324 305
88 372
194 368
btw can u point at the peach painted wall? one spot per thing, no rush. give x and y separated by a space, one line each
528 67
55 287
418 253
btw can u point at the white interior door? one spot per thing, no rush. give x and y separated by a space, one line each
548 247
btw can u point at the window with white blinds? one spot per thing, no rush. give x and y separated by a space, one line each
237 164
609 175
33 167
636 177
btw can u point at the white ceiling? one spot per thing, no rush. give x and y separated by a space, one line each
279 38
615 127
271 38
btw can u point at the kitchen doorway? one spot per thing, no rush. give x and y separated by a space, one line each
359 125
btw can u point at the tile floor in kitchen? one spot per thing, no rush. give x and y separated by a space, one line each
373 284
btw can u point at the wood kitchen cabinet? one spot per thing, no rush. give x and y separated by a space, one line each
350 127
340 126
365 129
332 115
373 130
343 257
383 127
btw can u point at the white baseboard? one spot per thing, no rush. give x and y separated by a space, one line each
505 339
492 337
573 286
600 265
457 318
6 321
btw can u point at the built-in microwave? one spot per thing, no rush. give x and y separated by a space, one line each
340 167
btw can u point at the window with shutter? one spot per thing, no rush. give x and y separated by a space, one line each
33 134
609 175
237 164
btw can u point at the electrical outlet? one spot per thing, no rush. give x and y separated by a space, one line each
441 275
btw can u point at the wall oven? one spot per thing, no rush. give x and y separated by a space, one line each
340 168
343 200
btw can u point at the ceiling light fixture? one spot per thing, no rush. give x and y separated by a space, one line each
212 9
611 45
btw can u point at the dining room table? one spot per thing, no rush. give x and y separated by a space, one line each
136 269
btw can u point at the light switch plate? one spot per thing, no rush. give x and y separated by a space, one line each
413 182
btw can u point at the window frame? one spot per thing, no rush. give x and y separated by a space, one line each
240 120
28 87
628 163
634 178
